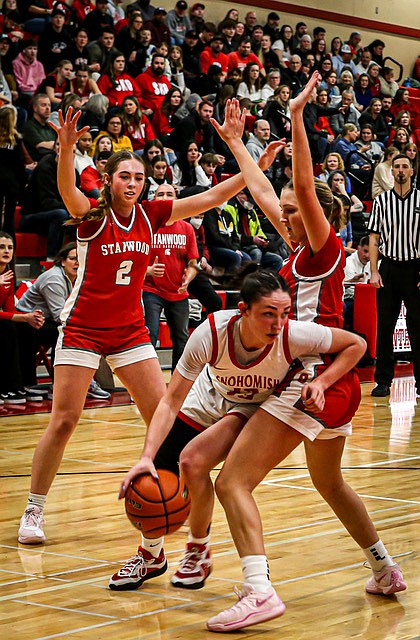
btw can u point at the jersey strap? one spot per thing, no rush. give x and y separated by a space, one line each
215 343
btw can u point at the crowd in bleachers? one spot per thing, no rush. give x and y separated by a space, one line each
149 80
141 74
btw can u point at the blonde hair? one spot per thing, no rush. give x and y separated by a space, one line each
331 205
8 132
336 155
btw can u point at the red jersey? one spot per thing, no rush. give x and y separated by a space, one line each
153 89
126 86
237 61
7 300
174 245
208 57
139 134
316 282
113 259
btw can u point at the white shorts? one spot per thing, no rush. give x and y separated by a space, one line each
90 359
204 406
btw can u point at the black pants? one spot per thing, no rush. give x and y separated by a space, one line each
179 436
18 349
202 289
400 281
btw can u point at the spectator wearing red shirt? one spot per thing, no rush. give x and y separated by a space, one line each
213 54
165 120
136 125
154 85
240 58
115 84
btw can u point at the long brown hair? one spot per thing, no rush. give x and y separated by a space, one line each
8 132
105 198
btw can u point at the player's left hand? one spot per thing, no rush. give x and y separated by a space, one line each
313 397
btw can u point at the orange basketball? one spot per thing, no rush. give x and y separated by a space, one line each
157 506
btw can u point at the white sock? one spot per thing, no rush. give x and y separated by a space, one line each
204 541
36 499
378 557
256 572
152 545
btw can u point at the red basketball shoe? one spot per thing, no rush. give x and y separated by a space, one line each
194 568
141 567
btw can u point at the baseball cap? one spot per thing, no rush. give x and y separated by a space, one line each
58 11
5 38
198 5
181 4
217 37
191 34
159 10
346 48
214 69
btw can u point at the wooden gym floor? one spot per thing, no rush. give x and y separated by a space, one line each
60 590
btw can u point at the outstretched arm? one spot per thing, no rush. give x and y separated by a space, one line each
258 184
222 192
316 225
77 204
161 424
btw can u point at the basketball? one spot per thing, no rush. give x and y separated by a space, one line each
157 506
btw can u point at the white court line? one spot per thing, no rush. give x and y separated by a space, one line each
204 600
279 483
67 609
45 552
79 630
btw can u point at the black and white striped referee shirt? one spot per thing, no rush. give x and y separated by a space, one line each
397 221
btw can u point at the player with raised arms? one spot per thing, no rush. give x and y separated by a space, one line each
103 315
315 276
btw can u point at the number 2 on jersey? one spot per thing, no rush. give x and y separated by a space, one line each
123 274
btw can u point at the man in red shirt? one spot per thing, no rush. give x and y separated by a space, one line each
243 55
214 54
153 85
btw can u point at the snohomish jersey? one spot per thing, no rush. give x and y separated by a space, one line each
230 379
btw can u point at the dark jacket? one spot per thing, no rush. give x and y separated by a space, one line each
220 230
41 193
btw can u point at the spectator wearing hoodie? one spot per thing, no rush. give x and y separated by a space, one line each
154 85
178 22
28 71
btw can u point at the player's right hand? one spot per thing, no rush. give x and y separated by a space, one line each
145 465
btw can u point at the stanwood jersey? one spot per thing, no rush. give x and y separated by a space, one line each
316 282
113 259
230 379
174 246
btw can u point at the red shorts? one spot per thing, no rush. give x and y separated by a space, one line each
84 346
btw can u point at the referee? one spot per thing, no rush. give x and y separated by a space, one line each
394 226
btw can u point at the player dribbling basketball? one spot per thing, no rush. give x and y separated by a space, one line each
231 364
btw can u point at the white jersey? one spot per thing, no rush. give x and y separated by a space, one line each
228 378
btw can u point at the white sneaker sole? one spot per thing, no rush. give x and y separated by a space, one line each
248 621
31 539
